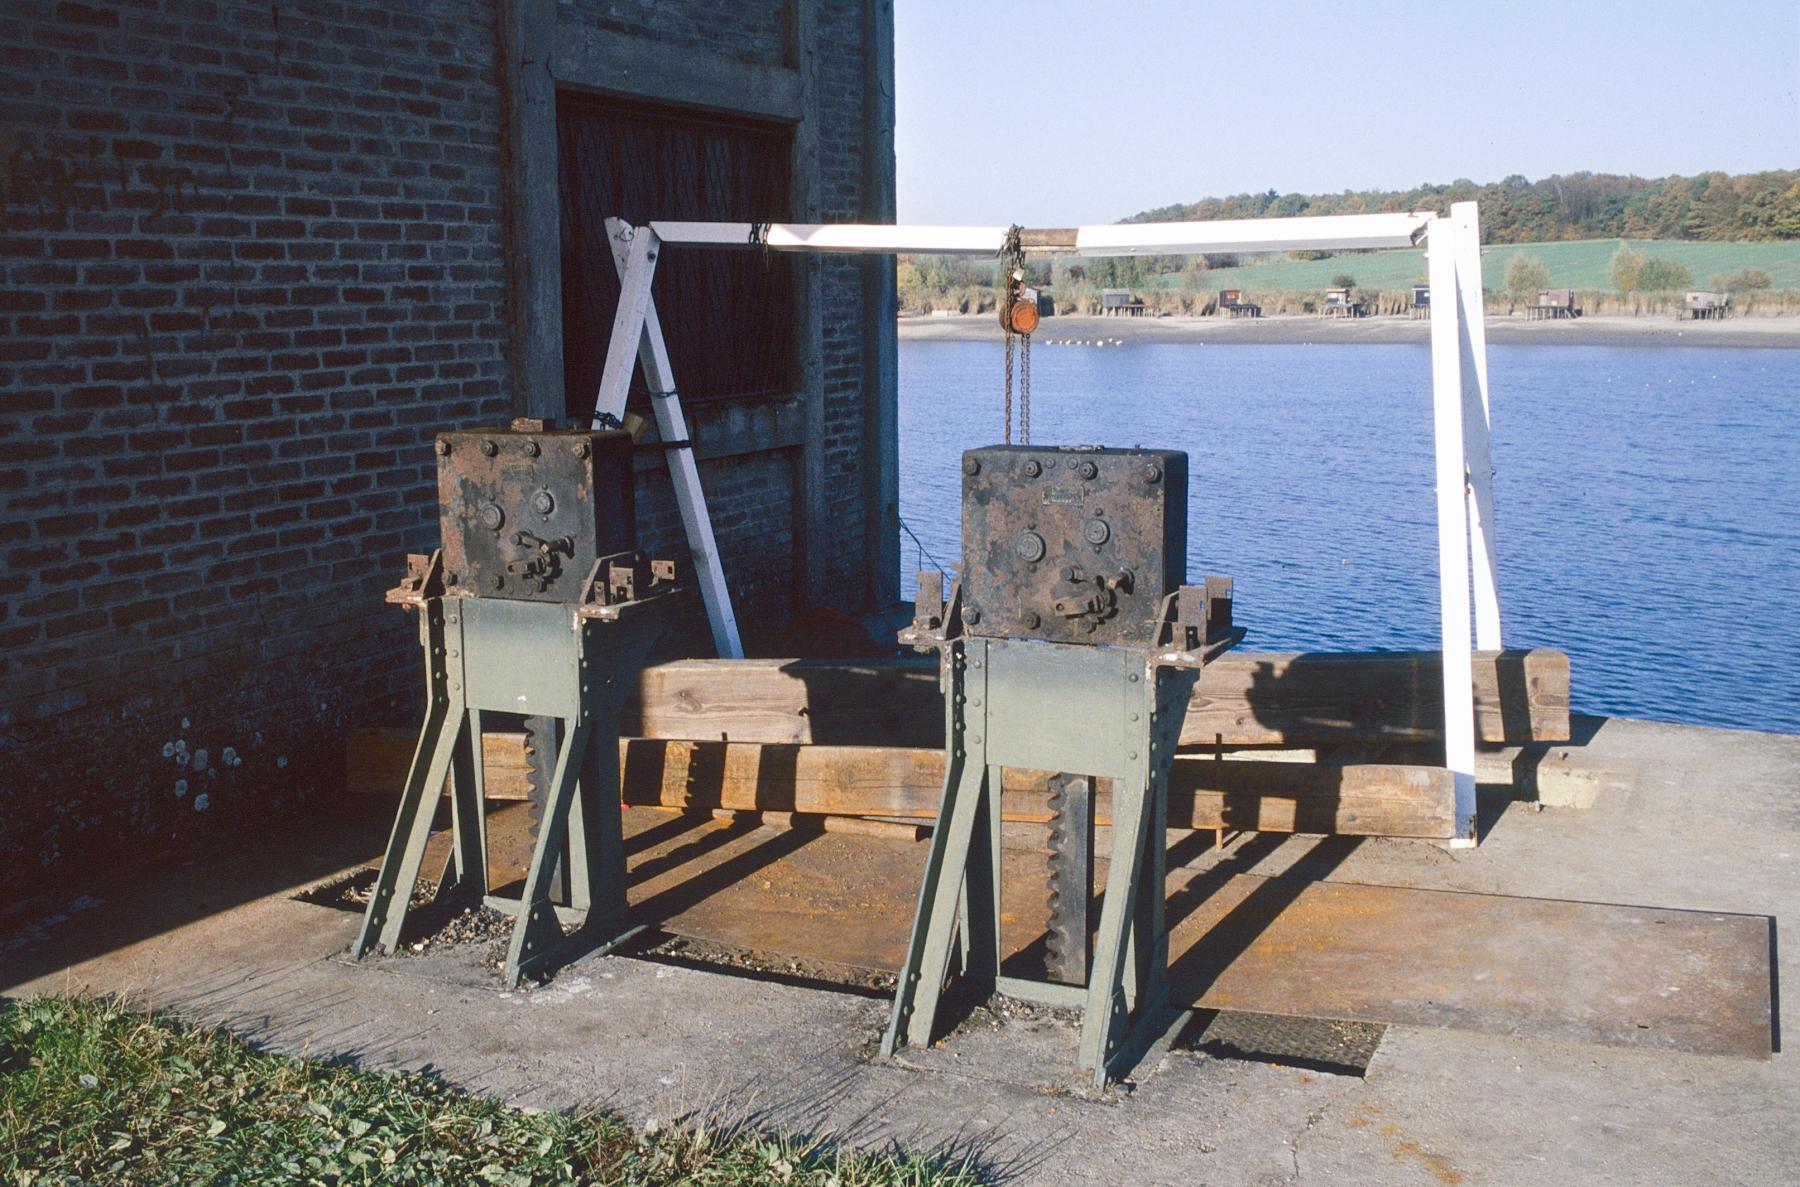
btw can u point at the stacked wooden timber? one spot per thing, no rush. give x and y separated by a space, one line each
1273 742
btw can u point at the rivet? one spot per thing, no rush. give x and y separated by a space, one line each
532 449
971 466
489 449
580 448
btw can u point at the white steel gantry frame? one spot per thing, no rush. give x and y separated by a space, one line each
1459 384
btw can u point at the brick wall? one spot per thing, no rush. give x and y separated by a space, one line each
252 262
846 371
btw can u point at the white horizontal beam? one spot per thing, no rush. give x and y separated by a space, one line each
838 237
1253 234
1117 239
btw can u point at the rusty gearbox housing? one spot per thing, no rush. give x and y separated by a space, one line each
1074 544
525 511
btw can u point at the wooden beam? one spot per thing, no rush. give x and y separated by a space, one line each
905 782
1242 699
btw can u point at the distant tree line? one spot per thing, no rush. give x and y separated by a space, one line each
1709 206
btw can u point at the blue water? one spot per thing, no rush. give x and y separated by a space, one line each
1647 501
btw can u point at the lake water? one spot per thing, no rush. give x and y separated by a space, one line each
1647 501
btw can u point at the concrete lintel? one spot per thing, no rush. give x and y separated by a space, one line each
640 67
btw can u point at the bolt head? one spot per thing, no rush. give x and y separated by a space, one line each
1152 473
489 449
443 447
532 449
1032 621
543 503
971 466
1087 469
581 448
1033 468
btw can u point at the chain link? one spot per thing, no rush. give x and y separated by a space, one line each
1025 391
1009 384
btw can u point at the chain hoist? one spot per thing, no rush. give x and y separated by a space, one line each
1018 318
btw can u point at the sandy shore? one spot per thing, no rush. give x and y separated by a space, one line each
1586 331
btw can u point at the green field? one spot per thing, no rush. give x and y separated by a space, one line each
1580 264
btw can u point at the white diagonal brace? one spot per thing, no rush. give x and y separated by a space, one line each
1477 421
638 332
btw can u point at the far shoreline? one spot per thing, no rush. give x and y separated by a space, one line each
1311 329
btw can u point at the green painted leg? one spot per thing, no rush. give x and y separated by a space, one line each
465 866
597 839
1108 1010
536 932
934 922
412 828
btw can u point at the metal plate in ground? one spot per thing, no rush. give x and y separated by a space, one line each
1316 1044
1538 968
1545 968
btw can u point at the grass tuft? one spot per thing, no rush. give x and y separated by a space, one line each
92 1091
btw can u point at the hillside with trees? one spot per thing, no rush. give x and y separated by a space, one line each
1626 244
1709 206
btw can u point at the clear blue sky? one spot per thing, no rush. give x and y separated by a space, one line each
1054 114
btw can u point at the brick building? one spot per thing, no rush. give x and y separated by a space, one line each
254 256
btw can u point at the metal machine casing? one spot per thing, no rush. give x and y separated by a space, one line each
525 512
1074 544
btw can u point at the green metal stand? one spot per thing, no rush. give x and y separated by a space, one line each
1111 712
575 663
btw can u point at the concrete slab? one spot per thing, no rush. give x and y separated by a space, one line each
1702 820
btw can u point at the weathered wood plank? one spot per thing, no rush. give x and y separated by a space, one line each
905 782
1369 800
1242 699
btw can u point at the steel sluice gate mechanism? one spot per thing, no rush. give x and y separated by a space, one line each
1069 644
537 603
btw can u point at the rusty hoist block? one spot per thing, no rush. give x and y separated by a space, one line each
537 603
1069 644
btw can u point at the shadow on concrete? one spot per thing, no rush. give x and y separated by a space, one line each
113 910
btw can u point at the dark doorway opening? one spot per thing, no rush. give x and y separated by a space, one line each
729 317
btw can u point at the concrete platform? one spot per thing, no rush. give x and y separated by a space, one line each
1699 820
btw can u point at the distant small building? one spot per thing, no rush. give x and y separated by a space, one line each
1340 303
1120 303
1421 301
1232 301
1552 304
1705 305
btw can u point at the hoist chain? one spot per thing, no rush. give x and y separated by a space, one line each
1012 257
1009 384
1025 391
